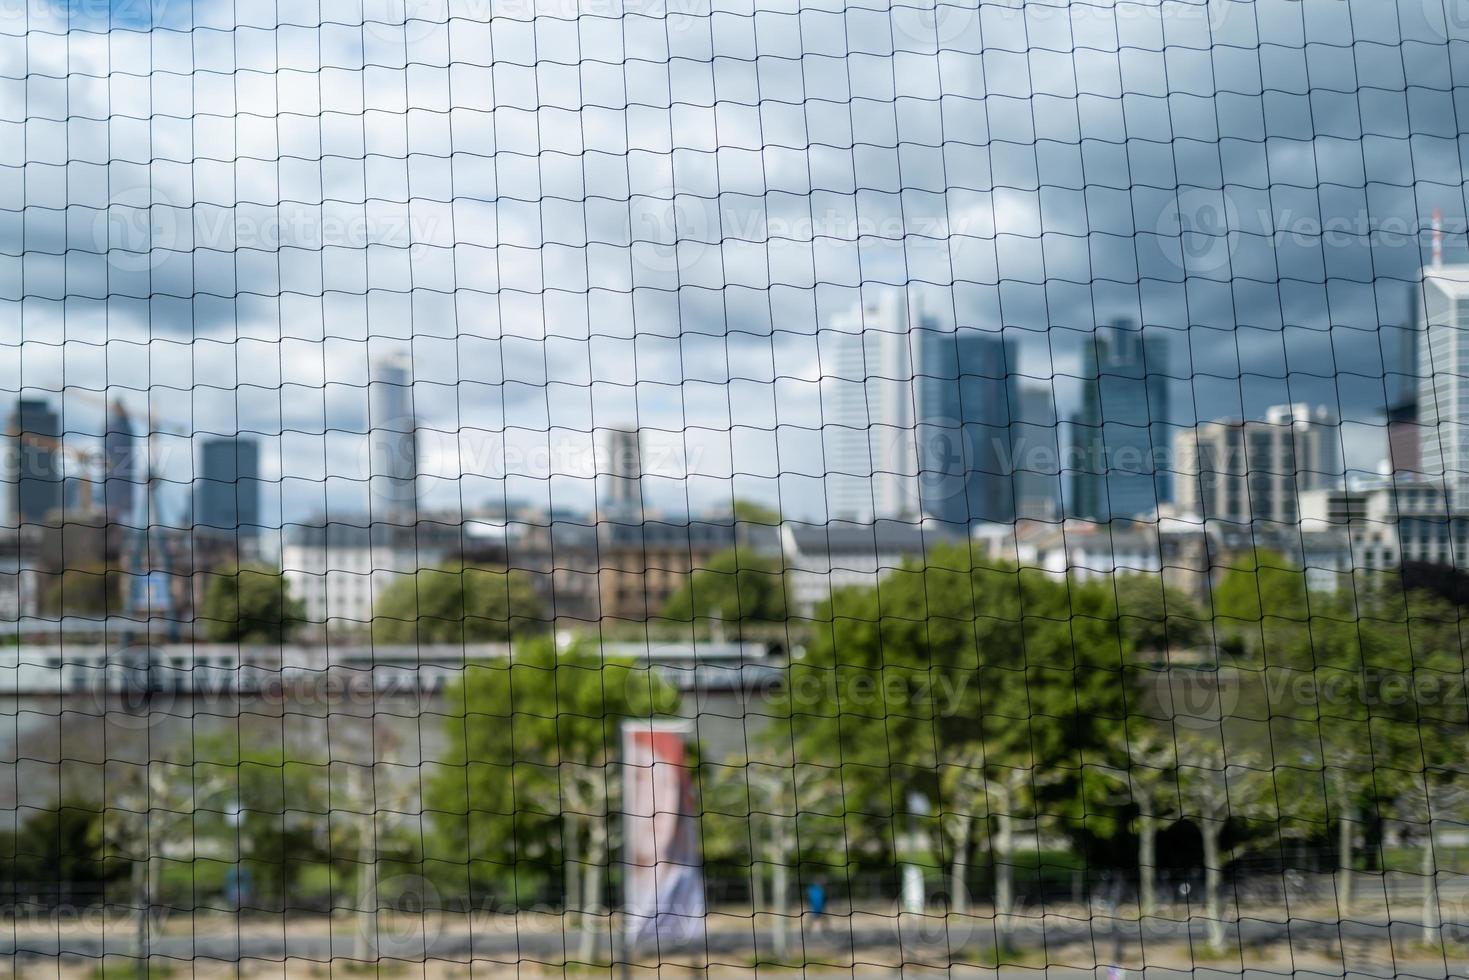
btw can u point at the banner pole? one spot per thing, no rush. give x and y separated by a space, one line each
619 936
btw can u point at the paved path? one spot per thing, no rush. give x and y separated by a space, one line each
884 943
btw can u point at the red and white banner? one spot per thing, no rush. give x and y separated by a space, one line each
663 890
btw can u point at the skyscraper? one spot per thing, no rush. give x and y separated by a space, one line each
869 412
1443 373
1035 451
964 394
392 440
119 474
623 473
227 493
1119 436
33 462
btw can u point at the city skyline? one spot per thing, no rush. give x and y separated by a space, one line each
275 290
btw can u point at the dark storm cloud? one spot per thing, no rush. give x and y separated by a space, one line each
575 223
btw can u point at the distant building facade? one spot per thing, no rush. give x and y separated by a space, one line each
621 473
392 441
869 410
1254 471
338 569
1392 523
227 492
33 462
1443 373
821 558
1120 435
965 390
1035 450
120 479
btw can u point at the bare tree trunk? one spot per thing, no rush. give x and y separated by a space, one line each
1147 864
1004 873
959 873
780 893
1213 830
1346 844
143 889
1431 936
757 884
592 889
367 908
571 903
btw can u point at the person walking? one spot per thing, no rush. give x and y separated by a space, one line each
816 902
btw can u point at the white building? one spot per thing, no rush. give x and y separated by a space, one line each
1254 471
1443 370
338 569
337 573
821 558
1089 549
1393 523
869 410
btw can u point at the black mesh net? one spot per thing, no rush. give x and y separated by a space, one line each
600 487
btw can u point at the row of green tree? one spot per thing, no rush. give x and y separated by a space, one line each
959 707
459 604
942 717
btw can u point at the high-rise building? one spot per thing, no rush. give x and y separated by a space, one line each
119 471
1119 436
227 493
964 398
33 463
622 473
1404 436
1035 452
869 410
1249 472
392 440
1443 380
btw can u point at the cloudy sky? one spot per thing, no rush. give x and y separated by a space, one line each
647 211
